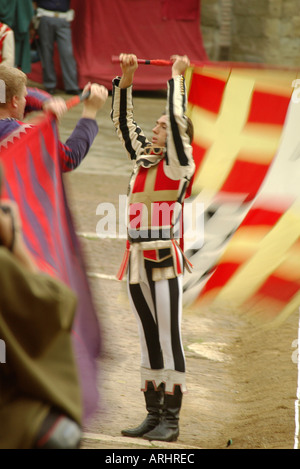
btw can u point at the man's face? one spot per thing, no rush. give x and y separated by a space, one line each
160 132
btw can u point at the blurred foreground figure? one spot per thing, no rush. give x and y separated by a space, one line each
20 100
34 158
40 400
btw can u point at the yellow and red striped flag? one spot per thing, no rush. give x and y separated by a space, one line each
247 153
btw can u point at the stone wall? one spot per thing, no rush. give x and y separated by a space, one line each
263 31
210 27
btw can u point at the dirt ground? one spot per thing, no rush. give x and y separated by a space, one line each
242 380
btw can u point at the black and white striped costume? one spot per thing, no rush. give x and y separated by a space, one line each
154 255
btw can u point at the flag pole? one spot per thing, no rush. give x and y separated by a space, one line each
70 103
160 62
77 99
213 63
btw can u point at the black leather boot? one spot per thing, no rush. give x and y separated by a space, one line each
168 427
154 403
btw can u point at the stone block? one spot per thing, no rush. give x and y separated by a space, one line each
251 8
271 28
275 8
249 26
290 8
296 26
211 15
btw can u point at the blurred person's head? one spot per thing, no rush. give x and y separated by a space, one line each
14 82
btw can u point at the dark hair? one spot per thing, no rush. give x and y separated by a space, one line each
190 127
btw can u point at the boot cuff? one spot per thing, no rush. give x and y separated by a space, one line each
169 378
